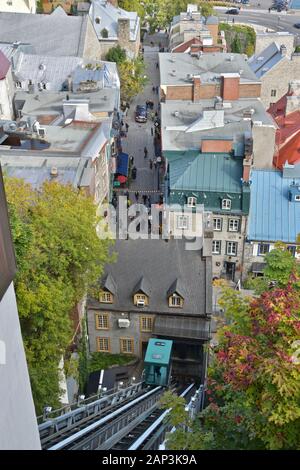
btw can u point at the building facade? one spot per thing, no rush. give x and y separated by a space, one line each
18 425
6 88
155 289
18 6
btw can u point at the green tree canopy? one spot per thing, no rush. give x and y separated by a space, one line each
254 381
59 256
116 54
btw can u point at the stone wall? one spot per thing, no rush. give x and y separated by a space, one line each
92 47
131 47
263 145
278 79
263 40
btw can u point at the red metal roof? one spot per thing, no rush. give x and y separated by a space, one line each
287 134
4 65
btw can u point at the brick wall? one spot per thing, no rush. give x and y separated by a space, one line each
250 90
214 31
184 92
230 88
216 146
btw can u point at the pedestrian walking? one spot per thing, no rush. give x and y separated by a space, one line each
152 131
153 89
131 159
145 197
155 164
145 152
136 195
151 164
157 65
149 201
156 90
127 126
126 194
122 123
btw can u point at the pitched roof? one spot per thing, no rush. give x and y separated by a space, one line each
177 287
109 15
143 286
160 261
109 284
56 34
272 217
261 63
206 172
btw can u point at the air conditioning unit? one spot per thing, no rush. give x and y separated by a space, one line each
140 303
123 323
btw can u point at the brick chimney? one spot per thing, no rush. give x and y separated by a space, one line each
124 32
230 86
196 88
246 169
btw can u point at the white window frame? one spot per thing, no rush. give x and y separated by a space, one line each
179 222
297 197
220 220
235 225
214 251
225 204
229 251
273 93
191 201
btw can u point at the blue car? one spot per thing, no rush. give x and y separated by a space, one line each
141 113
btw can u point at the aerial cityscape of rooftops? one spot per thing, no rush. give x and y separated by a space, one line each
150 226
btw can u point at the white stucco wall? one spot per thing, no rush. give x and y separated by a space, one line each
18 6
18 426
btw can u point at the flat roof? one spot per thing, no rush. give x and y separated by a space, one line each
174 68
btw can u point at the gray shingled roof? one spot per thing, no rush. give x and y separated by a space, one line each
177 287
110 284
160 262
143 286
56 34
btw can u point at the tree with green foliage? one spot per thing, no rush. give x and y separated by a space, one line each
116 54
59 256
236 45
254 381
207 9
132 78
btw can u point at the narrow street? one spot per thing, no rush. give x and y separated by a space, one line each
141 135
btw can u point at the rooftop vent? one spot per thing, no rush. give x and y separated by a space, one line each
42 67
176 113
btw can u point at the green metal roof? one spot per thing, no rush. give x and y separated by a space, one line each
205 171
158 351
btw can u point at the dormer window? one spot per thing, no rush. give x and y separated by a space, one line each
97 20
191 201
175 300
297 197
140 300
106 297
226 204
104 33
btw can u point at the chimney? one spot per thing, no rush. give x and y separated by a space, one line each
196 88
230 86
246 169
124 31
283 50
70 83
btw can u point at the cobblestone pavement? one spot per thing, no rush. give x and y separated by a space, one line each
140 135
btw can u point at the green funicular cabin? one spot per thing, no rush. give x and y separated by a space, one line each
158 362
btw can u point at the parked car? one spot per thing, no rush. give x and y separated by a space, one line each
141 113
297 25
232 11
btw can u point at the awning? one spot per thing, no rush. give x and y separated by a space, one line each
258 267
182 327
122 166
122 179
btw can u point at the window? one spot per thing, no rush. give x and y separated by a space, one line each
146 324
218 224
292 249
102 321
233 225
263 248
104 33
18 84
231 248
226 204
106 297
216 247
97 20
126 346
175 301
182 222
273 92
191 201
103 344
297 197
140 298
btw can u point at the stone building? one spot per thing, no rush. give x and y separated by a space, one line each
156 288
115 26
275 67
